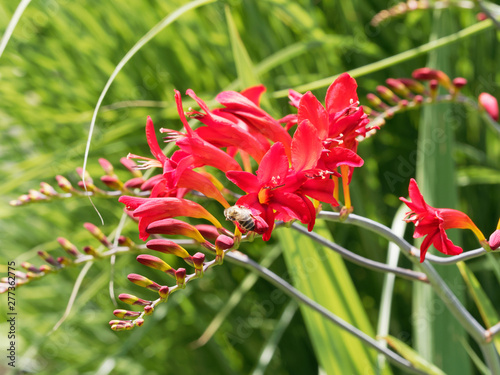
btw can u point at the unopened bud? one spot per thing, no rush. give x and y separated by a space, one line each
84 176
139 322
164 292
134 183
130 299
90 250
48 258
131 166
106 166
168 247
64 184
398 87
180 277
209 232
120 313
224 242
494 240
413 85
427 74
96 232
125 241
156 263
459 82
387 95
143 281
35 195
45 269
113 182
29 267
198 260
64 261
490 104
68 247
148 310
173 227
47 189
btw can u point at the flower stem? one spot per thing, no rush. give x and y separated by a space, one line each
362 261
244 260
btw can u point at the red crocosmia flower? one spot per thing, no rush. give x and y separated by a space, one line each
245 105
165 185
196 152
226 130
268 192
342 120
149 210
432 222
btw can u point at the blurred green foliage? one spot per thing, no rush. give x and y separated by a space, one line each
52 72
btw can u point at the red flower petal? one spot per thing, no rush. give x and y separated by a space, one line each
244 180
341 94
153 142
273 167
306 147
254 93
311 109
321 190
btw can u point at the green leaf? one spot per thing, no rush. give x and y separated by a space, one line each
412 356
244 66
483 303
478 175
321 275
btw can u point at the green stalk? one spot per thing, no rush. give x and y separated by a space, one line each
436 335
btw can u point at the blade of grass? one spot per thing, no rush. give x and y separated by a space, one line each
268 351
322 276
398 227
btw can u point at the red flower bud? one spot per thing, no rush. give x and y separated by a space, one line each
164 292
131 166
96 232
106 166
494 240
180 277
47 190
143 281
156 263
133 300
64 184
120 313
168 247
459 82
174 226
490 104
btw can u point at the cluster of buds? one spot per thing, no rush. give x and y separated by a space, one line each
401 94
85 187
73 257
408 6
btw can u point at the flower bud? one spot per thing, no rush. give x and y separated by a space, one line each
427 74
494 240
459 82
133 183
139 322
96 232
156 263
208 231
106 166
64 184
112 182
164 292
143 281
68 247
398 87
48 258
45 269
490 104
387 95
47 190
125 241
168 247
29 267
130 299
120 313
198 260
90 250
131 166
173 227
413 85
64 261
35 195
148 310
180 277
224 242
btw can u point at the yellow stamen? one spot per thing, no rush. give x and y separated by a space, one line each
498 225
344 170
336 188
